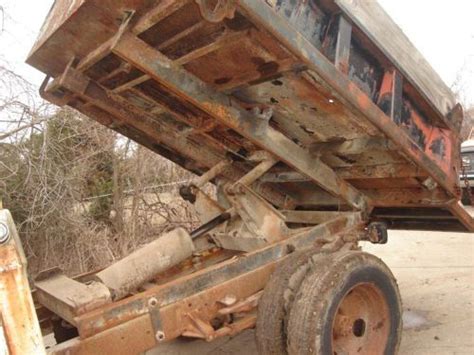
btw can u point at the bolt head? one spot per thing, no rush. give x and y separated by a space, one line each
4 233
160 336
152 302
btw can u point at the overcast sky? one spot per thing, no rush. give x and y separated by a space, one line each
442 31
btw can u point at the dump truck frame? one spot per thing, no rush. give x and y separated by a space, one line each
318 133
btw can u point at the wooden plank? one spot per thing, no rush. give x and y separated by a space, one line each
372 19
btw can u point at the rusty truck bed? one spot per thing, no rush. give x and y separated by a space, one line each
356 117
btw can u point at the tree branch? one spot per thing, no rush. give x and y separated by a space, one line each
21 128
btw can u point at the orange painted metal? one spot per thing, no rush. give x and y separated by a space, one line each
19 321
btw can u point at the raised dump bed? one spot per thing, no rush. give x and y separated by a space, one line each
333 89
318 121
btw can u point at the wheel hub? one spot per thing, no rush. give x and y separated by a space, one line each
361 323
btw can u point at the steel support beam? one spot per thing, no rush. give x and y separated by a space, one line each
108 110
390 197
115 315
228 111
343 45
458 210
164 9
310 217
400 170
354 146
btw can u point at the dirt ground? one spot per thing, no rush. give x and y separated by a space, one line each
435 273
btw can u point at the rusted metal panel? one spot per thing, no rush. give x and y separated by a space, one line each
67 297
382 30
289 107
260 224
347 91
132 337
307 17
198 93
261 69
60 11
390 95
189 305
157 13
108 111
303 110
211 304
19 321
135 306
66 22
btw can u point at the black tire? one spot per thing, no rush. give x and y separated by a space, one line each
276 301
349 304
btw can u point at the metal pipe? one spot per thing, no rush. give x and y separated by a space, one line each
206 227
143 264
256 172
211 173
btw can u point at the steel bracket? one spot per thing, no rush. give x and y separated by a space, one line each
213 11
155 318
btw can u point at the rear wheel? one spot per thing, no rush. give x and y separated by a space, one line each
276 301
350 305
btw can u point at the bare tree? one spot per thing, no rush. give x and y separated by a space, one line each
461 88
82 195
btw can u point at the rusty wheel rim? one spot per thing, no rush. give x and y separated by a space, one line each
362 322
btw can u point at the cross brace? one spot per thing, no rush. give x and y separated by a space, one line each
228 112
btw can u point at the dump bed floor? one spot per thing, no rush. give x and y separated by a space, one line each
351 120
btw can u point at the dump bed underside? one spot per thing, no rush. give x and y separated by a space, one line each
349 123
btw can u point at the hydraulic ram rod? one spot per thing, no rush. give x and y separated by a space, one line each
142 265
